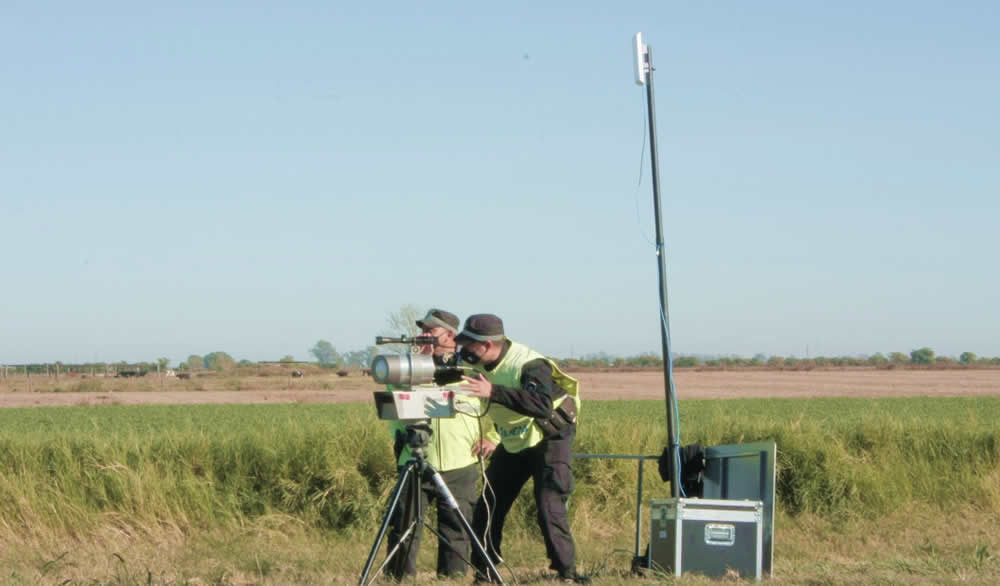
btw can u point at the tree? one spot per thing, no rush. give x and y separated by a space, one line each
922 356
325 354
646 360
219 361
359 357
967 357
403 322
686 361
195 362
163 363
877 359
898 358
287 358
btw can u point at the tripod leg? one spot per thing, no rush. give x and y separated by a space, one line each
404 530
453 504
393 503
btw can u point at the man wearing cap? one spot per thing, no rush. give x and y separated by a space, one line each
533 406
452 451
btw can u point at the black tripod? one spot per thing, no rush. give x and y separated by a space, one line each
410 478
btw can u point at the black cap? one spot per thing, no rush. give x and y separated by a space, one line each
482 327
439 318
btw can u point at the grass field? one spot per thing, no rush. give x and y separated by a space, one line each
902 490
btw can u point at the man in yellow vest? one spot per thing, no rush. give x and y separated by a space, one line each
533 406
452 451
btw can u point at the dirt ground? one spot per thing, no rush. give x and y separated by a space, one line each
594 386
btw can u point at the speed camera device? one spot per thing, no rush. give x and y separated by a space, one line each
415 397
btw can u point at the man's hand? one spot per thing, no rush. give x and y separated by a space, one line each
483 448
477 387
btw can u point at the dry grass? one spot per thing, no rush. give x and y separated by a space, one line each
919 545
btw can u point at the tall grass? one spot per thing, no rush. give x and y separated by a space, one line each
66 471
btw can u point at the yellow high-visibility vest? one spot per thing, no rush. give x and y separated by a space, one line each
515 430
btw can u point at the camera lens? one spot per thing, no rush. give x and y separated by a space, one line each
408 369
380 369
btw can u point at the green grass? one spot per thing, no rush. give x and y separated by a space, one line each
306 479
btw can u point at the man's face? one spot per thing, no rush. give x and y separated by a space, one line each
445 339
474 351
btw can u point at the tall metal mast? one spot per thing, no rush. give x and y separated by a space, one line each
644 76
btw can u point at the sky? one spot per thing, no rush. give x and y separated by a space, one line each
251 177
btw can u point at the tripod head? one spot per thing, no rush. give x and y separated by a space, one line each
416 437
418 434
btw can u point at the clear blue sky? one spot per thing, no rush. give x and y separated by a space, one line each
251 177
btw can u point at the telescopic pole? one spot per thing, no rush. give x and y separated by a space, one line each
668 367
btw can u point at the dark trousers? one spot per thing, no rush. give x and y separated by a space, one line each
547 464
453 543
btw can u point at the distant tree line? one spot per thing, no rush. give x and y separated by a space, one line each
217 361
328 357
87 367
919 358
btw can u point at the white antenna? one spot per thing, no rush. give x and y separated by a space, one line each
640 60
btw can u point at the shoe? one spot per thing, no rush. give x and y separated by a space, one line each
571 577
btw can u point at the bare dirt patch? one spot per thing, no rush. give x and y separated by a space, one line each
735 384
594 386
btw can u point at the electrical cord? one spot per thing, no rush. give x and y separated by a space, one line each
672 442
635 195
485 538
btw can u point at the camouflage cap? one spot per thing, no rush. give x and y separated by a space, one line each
482 327
439 318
